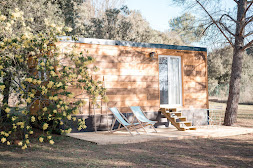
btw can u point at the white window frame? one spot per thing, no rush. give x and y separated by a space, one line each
180 83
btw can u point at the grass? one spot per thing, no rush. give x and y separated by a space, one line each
235 151
245 113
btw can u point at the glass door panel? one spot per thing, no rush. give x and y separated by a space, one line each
163 80
170 80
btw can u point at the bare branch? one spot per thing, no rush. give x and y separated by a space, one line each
228 17
245 24
244 14
248 34
207 28
230 42
236 1
226 28
248 45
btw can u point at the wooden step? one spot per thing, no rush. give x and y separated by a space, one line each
189 128
173 116
179 114
180 118
186 123
171 109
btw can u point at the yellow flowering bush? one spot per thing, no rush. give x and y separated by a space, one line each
31 68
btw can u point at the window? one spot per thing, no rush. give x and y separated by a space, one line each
170 81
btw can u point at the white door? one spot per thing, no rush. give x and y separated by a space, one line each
170 81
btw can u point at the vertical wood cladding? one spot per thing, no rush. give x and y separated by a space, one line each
132 77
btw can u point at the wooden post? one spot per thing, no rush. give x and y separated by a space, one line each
108 129
94 111
95 125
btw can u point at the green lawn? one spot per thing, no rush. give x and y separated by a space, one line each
236 151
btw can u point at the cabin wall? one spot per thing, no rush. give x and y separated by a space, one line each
132 77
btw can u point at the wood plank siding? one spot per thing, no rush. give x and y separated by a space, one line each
132 78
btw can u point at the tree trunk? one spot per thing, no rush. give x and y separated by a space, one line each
235 79
6 92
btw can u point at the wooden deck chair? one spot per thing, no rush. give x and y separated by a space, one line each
123 121
142 118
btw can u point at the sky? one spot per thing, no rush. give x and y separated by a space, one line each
159 12
156 12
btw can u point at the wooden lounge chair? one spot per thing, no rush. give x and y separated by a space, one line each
123 121
142 118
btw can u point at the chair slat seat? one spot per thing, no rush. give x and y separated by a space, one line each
123 120
142 118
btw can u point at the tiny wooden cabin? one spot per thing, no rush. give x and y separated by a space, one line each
147 75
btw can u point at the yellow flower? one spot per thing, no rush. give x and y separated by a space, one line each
28 100
13 118
27 141
52 73
31 95
21 60
44 109
21 124
49 137
55 98
16 15
14 126
26 136
74 118
76 111
61 123
32 119
51 142
68 131
59 84
2 87
58 106
42 64
39 82
7 110
54 111
1 67
69 29
34 81
50 84
70 95
24 147
41 139
20 143
29 80
69 117
45 126
2 18
8 143
31 132
3 140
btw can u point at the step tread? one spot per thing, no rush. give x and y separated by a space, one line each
183 122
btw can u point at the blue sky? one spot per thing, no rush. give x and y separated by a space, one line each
156 12
159 12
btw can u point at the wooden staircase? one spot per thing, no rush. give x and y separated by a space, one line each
176 118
